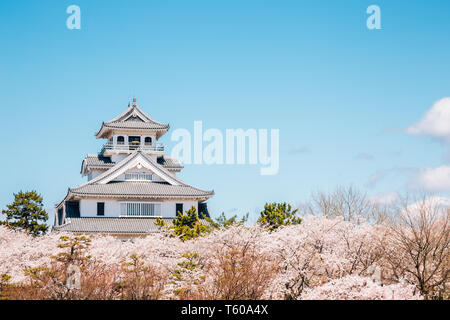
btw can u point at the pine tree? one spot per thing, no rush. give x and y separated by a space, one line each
27 213
223 221
276 215
188 226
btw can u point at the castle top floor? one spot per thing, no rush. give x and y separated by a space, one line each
132 130
132 121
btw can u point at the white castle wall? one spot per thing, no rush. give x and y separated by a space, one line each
88 207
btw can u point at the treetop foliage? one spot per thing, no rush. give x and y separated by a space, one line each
187 226
276 215
191 225
27 213
223 221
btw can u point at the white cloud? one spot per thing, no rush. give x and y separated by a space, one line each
433 179
385 198
438 205
435 122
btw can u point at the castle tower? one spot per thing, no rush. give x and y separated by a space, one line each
130 182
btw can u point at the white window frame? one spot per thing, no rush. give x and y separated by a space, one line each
136 176
138 207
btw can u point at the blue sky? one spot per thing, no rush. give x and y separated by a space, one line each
341 95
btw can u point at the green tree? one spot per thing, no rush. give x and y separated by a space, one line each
278 214
187 226
223 221
27 213
4 285
76 249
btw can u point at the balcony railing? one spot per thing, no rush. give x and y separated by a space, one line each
132 147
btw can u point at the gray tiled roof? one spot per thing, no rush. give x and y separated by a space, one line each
136 125
100 162
168 162
141 189
133 118
97 160
111 225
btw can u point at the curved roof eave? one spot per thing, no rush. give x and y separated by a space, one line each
105 128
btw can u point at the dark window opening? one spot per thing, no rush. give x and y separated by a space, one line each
203 209
134 142
148 141
120 140
72 209
179 208
100 208
60 216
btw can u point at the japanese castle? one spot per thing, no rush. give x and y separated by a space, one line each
130 182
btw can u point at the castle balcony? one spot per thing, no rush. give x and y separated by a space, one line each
110 149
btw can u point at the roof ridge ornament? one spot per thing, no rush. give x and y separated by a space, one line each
134 101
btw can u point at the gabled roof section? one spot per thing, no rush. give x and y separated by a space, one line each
170 187
99 162
133 118
137 159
